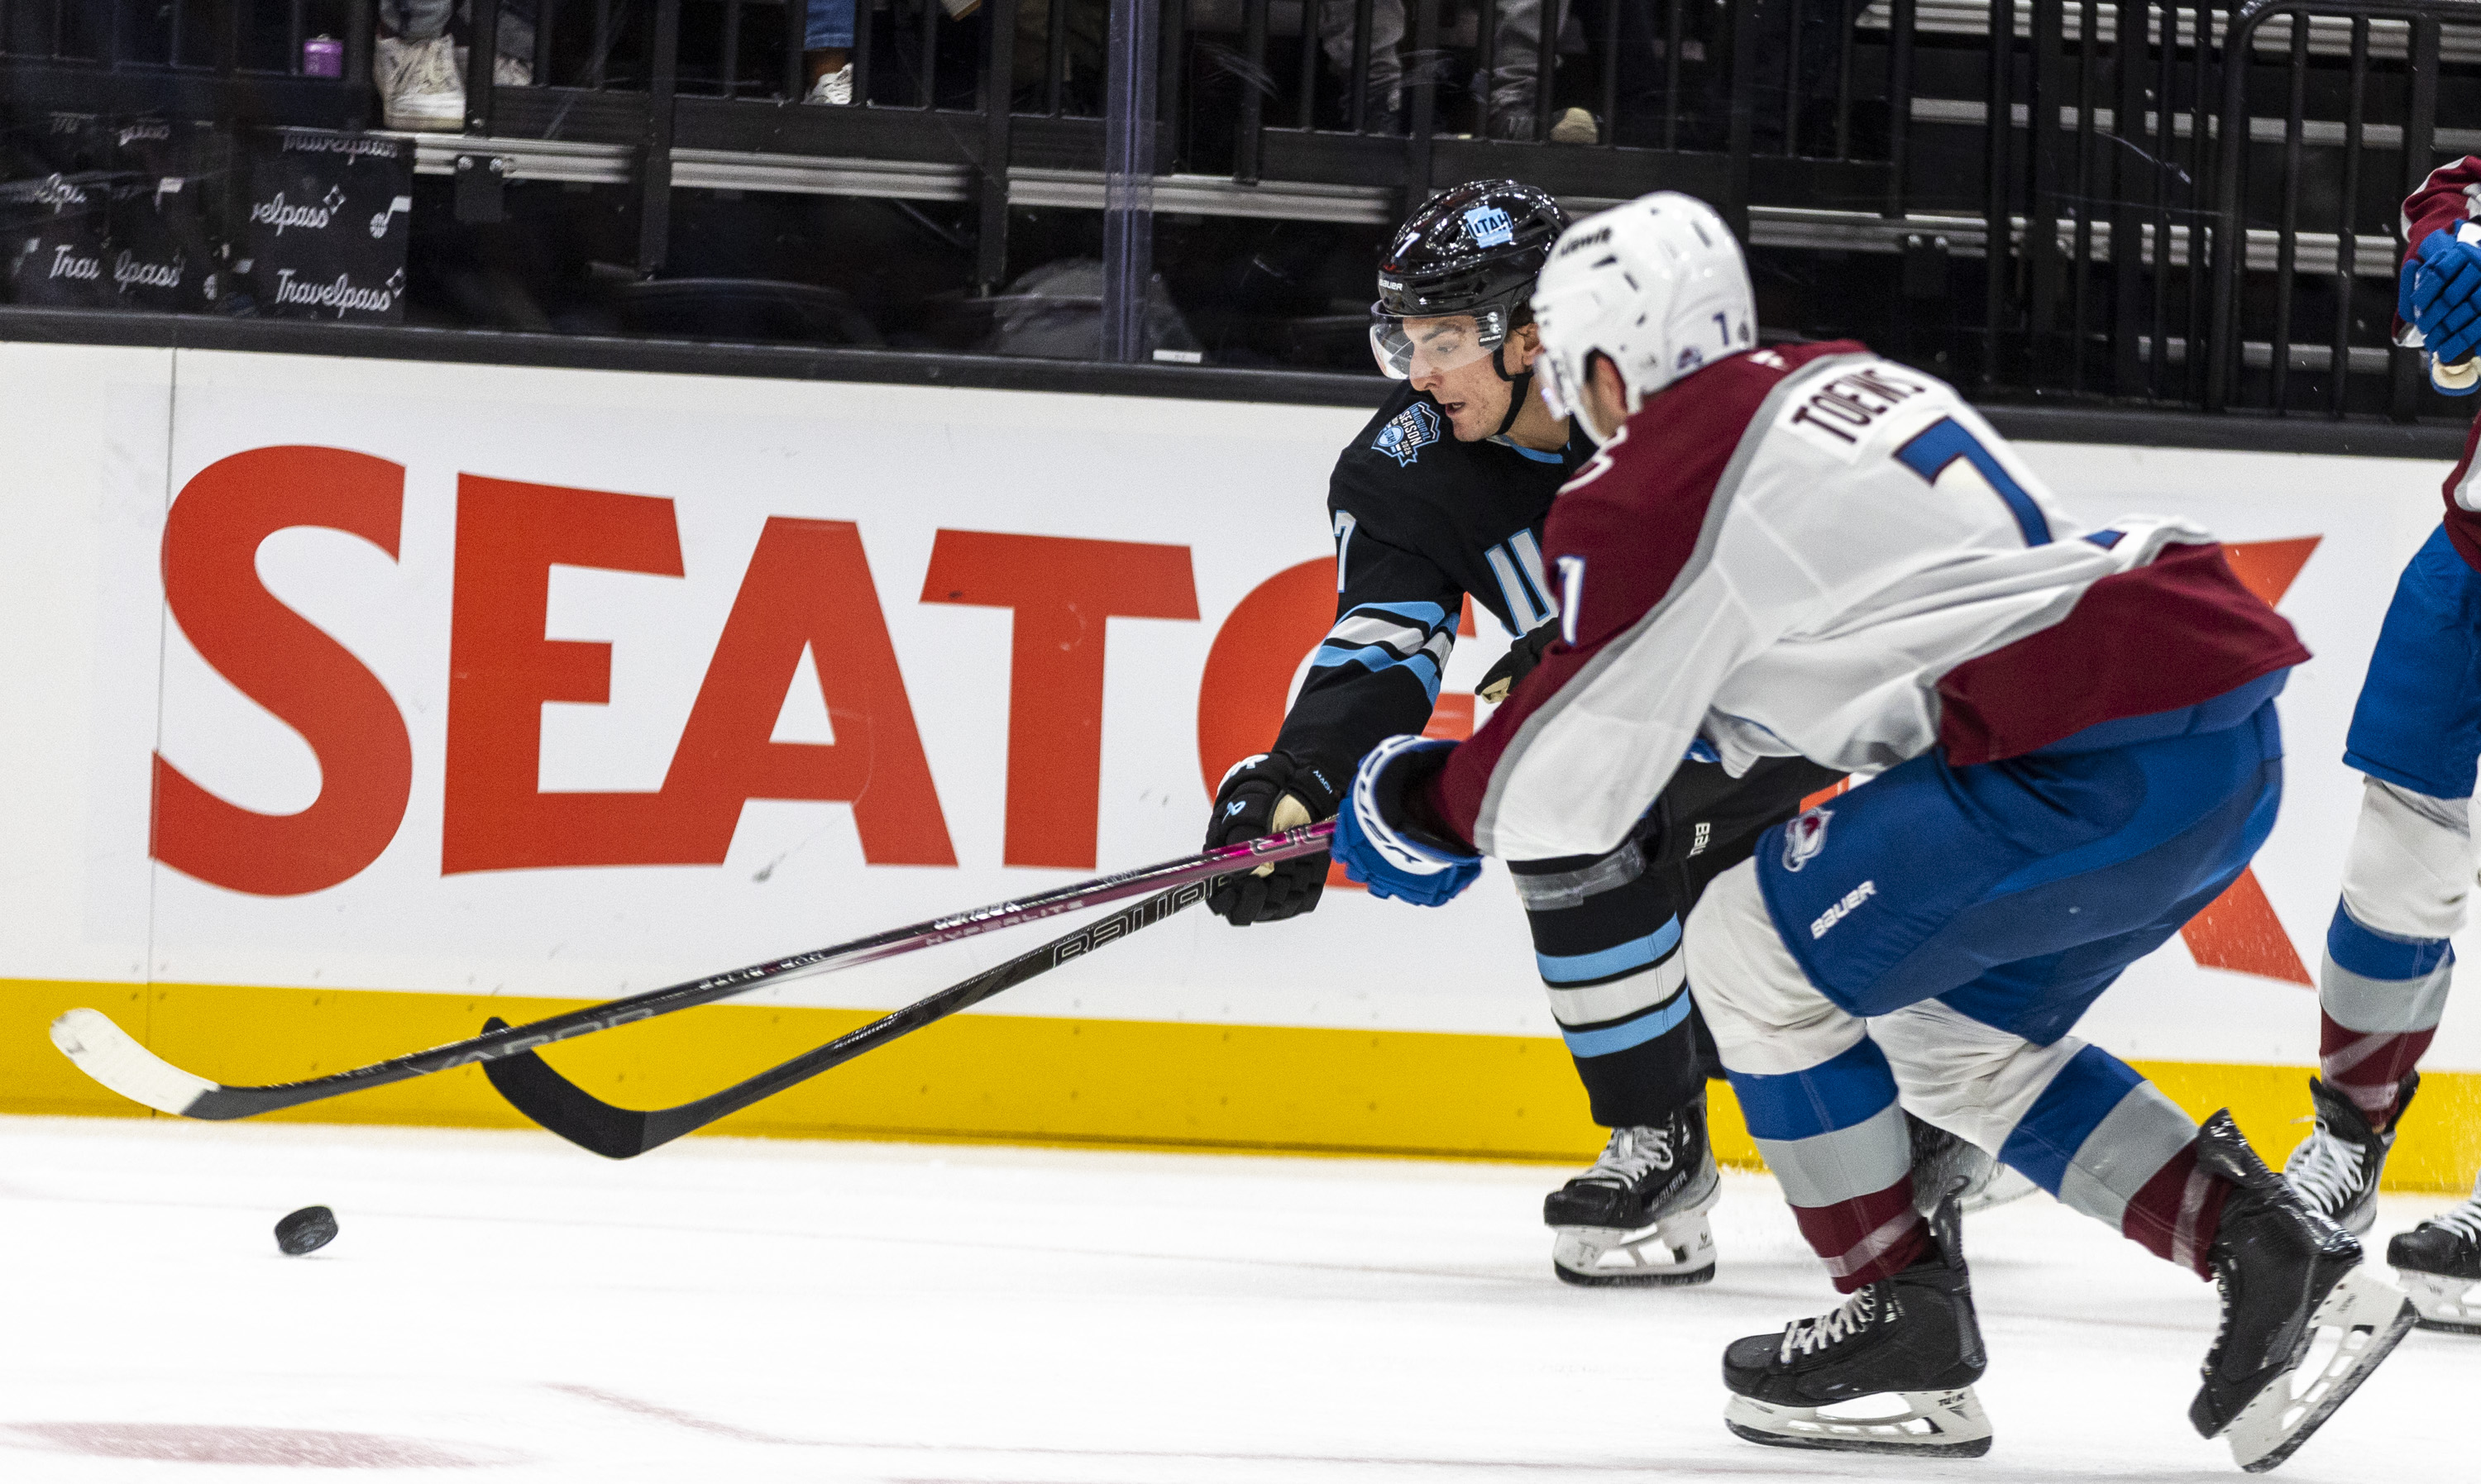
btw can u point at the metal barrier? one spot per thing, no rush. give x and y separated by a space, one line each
2153 223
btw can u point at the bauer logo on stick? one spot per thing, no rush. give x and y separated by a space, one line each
1805 838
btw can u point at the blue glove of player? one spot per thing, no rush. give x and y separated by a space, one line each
2441 295
1376 843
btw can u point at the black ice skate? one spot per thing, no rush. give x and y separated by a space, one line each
1945 1165
2336 1169
1911 1341
1637 1218
2291 1280
2440 1262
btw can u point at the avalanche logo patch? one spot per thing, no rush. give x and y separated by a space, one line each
1407 434
1489 227
1805 838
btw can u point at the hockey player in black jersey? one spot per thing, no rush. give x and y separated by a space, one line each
1441 497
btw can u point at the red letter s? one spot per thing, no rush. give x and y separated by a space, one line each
287 665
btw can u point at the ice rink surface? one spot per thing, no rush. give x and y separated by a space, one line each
503 1307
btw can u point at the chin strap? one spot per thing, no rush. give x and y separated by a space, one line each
1520 387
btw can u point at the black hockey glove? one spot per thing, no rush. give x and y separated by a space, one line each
1261 794
1517 663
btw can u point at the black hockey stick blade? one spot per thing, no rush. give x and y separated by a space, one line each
533 1088
112 1056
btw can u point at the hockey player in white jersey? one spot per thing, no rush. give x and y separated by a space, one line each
1820 553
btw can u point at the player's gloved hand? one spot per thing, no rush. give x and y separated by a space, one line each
1517 663
2440 293
1264 795
1378 844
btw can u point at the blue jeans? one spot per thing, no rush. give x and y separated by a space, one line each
830 26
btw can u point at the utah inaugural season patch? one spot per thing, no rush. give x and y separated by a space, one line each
1407 432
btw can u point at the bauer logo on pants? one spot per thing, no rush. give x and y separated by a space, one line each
1805 838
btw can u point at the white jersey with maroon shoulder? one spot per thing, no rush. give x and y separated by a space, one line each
1816 551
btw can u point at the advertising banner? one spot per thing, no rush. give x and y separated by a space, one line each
344 693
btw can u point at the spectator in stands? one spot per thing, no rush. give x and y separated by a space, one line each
826 48
1386 83
420 69
1515 82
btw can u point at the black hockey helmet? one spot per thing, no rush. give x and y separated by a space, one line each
1470 249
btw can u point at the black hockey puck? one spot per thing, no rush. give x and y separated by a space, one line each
305 1230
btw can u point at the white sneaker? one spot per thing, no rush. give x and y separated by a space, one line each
420 89
834 88
506 71
1576 126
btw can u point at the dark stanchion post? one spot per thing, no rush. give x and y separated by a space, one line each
1359 82
1743 135
2229 246
1900 106
1673 13
991 184
482 55
796 76
2086 192
2419 144
1486 64
655 164
1422 79
2347 224
1305 109
544 13
2286 243
1055 65
1253 93
2127 167
2044 199
2000 133
361 39
1546 43
2202 95
1129 180
1173 23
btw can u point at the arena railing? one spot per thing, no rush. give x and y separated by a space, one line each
1974 148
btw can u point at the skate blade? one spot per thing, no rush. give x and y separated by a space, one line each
2361 1317
1674 1252
2450 1305
1938 1424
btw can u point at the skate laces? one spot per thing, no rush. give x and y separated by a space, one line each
1854 1314
1632 1154
2465 1220
2327 1170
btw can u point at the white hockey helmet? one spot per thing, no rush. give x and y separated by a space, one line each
1657 287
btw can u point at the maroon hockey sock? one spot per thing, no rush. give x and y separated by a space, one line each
1866 1237
2177 1213
2368 1067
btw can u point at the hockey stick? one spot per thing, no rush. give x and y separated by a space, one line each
109 1055
534 1089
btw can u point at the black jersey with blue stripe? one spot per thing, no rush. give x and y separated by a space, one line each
1420 522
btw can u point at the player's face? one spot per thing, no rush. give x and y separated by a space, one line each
1451 364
